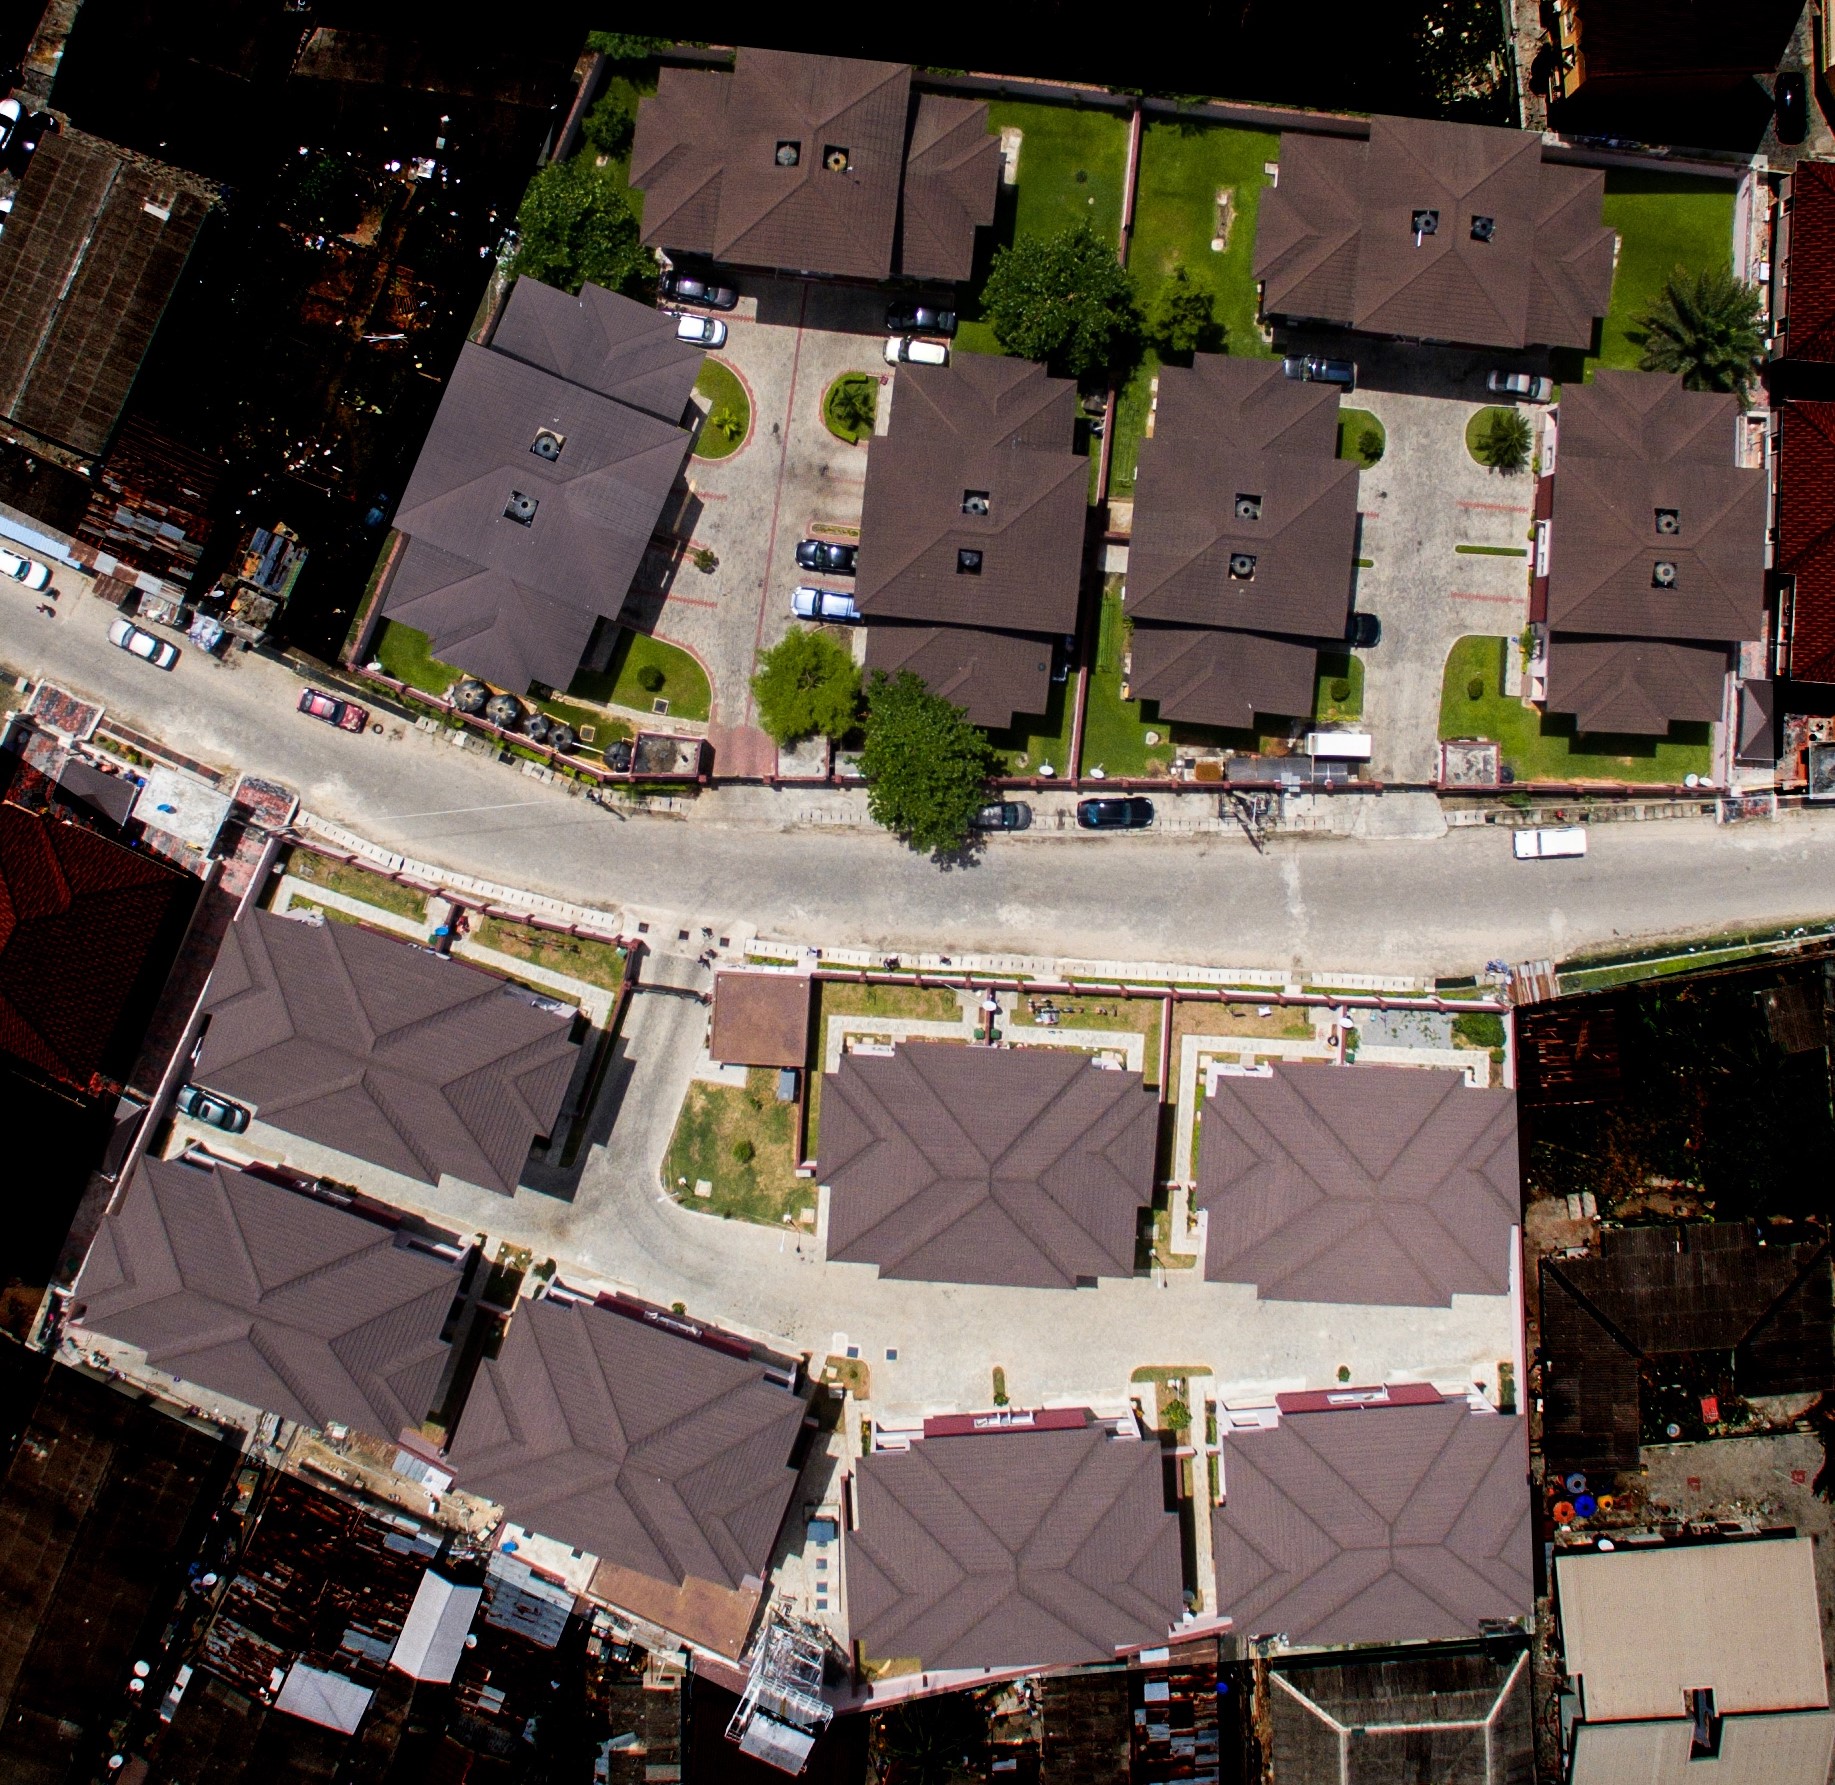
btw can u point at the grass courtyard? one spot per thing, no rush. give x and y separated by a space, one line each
405 654
622 682
729 414
1546 748
742 1144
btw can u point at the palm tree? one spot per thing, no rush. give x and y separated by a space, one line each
1706 326
1504 445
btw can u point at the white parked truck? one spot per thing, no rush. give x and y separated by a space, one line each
1539 845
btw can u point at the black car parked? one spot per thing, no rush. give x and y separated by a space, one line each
919 319
1791 98
827 556
1115 814
1364 633
691 288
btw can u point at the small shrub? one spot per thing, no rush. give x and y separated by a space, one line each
1475 688
728 423
705 561
1341 689
1482 1028
1177 1415
1370 446
743 1151
1344 1372
678 1307
650 679
1000 1386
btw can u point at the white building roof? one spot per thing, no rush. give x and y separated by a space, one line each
1778 1748
1641 1628
327 1698
433 1637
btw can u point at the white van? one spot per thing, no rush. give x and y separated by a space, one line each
914 350
1539 845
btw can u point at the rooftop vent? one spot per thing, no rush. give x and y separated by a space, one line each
1248 508
1663 574
1242 565
548 444
974 501
789 154
835 158
1669 520
968 563
520 508
1483 228
1424 223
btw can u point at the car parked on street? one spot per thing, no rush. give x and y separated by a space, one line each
29 571
703 331
346 715
1548 842
142 644
1521 384
826 555
214 1111
822 604
920 319
688 288
1003 815
1312 368
1118 814
909 350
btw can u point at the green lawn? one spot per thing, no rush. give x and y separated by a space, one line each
831 419
761 1185
578 957
1546 749
684 681
1663 221
725 395
357 883
1036 739
1354 428
603 726
404 654
1183 167
1328 707
1072 164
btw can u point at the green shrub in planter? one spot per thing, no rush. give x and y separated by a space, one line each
1341 689
1475 688
650 678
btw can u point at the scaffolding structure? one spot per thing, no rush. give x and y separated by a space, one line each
783 1710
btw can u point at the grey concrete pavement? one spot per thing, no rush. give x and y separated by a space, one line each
1401 905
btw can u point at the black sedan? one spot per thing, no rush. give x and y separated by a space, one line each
1115 814
1364 633
688 288
919 319
1004 815
827 556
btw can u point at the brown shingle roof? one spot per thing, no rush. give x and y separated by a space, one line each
1635 685
1375 1524
761 1019
512 602
382 1050
1232 436
283 1302
653 1451
984 425
94 248
971 1165
601 341
1806 274
990 675
1204 677
1335 238
1391 1185
705 158
1018 1548
1633 445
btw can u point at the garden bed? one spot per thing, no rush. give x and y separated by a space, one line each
727 402
836 398
578 957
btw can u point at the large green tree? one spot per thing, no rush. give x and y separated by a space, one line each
1183 320
1706 326
575 224
806 683
1064 299
926 767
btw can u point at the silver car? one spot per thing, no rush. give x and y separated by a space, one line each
1521 384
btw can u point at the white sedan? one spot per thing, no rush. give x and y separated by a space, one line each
703 331
25 570
142 644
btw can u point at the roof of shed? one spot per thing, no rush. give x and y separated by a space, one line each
1808 272
761 1019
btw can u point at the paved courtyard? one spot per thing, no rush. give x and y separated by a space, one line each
787 341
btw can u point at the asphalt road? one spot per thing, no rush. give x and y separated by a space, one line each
1405 905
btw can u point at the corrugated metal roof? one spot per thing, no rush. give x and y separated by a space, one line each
1788 1748
433 1637
415 1062
976 1165
327 1698
651 1451
1336 237
1642 1627
1386 1185
277 1300
1375 1524
1042 1548
1808 271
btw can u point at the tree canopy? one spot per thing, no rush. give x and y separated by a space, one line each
1505 441
806 683
1182 319
1706 326
624 46
576 224
926 767
1064 299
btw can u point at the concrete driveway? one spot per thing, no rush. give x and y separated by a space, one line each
787 342
1426 498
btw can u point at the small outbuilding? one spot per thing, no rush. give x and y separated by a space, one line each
761 1019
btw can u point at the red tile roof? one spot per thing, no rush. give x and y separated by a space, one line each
1806 536
1809 263
87 929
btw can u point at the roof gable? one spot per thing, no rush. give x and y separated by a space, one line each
1635 686
990 675
952 178
967 1165
1202 676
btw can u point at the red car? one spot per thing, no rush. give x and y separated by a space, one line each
346 715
